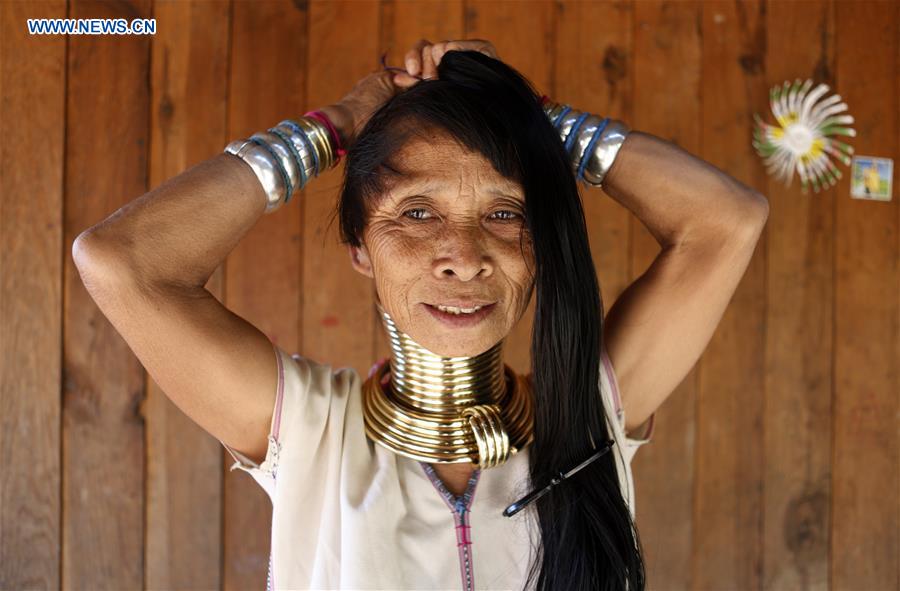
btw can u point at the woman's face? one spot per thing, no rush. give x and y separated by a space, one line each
448 234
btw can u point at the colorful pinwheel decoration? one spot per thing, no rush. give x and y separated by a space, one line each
802 140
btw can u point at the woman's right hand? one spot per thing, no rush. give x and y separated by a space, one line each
352 112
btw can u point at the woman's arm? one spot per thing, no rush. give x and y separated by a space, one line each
707 224
146 267
676 195
181 231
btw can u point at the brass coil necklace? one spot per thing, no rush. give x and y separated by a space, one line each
447 409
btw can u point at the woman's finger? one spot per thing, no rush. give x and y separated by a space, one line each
413 58
438 50
429 68
486 47
404 80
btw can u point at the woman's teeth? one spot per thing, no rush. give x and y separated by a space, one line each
454 310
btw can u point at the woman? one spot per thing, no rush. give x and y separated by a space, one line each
459 201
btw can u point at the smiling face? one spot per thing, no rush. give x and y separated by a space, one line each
450 232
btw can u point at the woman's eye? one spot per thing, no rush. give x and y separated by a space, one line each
417 213
505 215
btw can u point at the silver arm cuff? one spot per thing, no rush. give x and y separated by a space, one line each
285 158
303 149
604 152
265 168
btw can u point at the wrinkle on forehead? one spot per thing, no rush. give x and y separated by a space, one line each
424 167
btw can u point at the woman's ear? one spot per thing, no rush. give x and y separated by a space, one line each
359 258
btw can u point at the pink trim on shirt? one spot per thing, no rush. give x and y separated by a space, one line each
375 366
613 385
276 426
611 376
279 396
459 507
649 433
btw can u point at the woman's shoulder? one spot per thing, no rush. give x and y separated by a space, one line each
309 376
312 404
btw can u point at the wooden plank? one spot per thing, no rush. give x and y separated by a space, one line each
262 276
506 27
184 465
338 316
729 465
667 70
400 30
866 449
103 431
799 308
32 84
593 73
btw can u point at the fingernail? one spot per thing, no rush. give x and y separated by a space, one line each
411 66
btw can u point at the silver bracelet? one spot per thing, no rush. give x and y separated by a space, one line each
286 157
605 151
594 144
264 166
303 146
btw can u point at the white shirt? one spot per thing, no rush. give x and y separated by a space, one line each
350 514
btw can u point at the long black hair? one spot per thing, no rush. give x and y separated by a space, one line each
588 538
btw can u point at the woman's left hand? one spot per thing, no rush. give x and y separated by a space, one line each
424 57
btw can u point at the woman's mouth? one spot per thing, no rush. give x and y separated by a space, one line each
460 317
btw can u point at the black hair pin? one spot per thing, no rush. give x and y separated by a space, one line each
536 494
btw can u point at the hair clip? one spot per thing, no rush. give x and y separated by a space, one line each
387 67
536 494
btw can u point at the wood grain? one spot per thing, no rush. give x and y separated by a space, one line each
32 123
107 138
593 72
866 445
189 95
667 84
268 77
263 273
729 470
798 326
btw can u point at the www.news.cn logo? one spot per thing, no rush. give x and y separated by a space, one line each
91 26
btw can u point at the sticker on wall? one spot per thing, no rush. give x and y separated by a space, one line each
871 178
804 137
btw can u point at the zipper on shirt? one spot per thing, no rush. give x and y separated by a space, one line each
459 506
464 544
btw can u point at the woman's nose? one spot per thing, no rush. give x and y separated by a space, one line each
461 253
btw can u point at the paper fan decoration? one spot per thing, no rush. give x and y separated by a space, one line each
802 140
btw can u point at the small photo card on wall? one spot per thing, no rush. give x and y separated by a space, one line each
871 178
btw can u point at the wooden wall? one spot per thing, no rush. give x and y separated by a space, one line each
776 463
